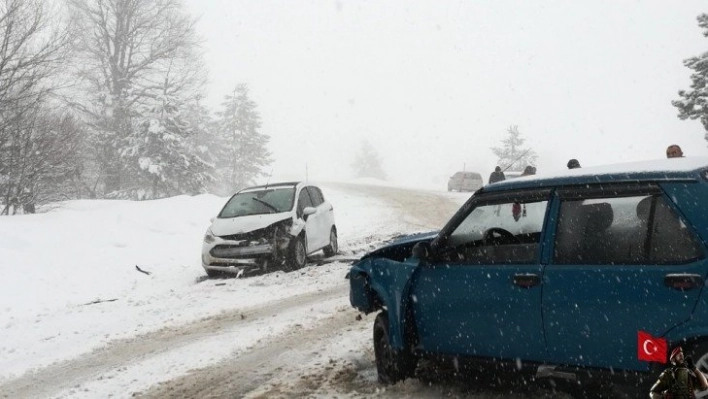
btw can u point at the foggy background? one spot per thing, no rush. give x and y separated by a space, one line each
433 85
142 100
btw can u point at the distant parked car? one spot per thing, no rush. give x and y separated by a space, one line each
592 272
465 181
271 226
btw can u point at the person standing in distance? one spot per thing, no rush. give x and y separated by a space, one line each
674 151
528 171
497 175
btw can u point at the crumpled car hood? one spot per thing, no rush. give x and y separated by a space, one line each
402 241
244 224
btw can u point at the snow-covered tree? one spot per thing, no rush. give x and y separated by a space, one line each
694 103
512 156
126 50
32 150
162 155
162 151
41 161
31 54
241 150
368 162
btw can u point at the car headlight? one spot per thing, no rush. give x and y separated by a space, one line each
283 225
209 237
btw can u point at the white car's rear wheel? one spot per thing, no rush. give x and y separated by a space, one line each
333 246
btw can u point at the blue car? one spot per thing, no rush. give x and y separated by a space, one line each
558 273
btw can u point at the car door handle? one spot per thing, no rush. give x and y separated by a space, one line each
683 281
526 280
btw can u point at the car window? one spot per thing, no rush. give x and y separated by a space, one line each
303 201
507 232
272 200
315 195
628 230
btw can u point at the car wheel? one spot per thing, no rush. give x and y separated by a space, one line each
333 246
392 365
297 254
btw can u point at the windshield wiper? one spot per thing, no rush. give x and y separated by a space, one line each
266 204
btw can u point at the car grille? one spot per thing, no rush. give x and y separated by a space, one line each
251 235
238 251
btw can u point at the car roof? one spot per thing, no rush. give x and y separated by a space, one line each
669 169
272 185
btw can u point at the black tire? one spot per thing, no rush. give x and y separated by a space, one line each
297 254
392 365
333 246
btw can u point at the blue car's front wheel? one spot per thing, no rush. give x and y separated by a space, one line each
392 365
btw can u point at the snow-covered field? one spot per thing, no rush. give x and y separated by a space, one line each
70 284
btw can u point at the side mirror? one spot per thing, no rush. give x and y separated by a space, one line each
307 212
213 218
421 250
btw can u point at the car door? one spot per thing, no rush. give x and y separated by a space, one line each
321 218
311 233
623 261
480 294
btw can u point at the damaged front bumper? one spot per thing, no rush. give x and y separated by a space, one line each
247 253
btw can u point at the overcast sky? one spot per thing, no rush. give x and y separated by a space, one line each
434 84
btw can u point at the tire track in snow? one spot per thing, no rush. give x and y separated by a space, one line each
63 376
238 375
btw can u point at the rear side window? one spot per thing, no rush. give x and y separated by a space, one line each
315 195
626 230
303 201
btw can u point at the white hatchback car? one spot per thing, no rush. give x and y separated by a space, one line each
268 227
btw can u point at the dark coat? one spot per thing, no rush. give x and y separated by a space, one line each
496 176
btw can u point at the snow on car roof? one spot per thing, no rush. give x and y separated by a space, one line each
272 185
658 169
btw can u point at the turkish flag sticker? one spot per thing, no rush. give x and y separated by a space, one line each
650 349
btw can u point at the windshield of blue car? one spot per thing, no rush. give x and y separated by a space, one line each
271 200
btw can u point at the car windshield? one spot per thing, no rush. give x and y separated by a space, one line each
271 200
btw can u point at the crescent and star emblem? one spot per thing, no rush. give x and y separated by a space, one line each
647 348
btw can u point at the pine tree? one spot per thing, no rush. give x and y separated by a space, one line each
368 162
164 154
126 50
694 103
512 156
241 150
